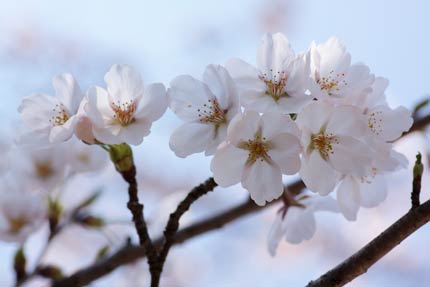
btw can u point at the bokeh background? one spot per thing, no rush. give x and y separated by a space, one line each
39 39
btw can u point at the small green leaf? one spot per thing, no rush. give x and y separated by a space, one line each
19 264
102 253
50 271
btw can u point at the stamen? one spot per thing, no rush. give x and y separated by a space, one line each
16 224
211 113
324 144
375 122
60 116
44 169
124 112
257 148
275 85
332 83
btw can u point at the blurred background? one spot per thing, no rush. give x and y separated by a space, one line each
39 39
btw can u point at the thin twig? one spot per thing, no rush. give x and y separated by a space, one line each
416 183
361 261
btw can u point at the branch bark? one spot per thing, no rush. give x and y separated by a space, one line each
361 261
129 254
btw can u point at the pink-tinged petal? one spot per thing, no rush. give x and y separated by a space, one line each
134 133
63 132
243 127
275 123
37 110
300 225
277 231
257 101
351 156
84 130
349 198
333 57
263 180
124 83
317 174
347 121
389 124
222 86
188 96
191 138
298 76
98 108
245 75
228 164
153 103
314 117
373 191
68 92
285 152
273 54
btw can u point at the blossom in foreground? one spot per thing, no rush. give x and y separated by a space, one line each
207 108
258 150
54 118
333 145
125 111
333 75
22 212
280 80
297 223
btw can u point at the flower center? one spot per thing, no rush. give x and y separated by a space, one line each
275 86
60 116
324 144
369 178
44 169
257 148
124 112
211 113
375 122
332 83
16 224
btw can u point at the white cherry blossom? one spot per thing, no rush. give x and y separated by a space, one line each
125 111
53 118
297 223
280 80
207 108
333 144
333 75
258 150
22 211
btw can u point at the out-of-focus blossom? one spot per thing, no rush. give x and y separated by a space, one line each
86 158
22 211
297 223
333 76
207 108
4 156
333 145
259 149
54 118
124 113
280 80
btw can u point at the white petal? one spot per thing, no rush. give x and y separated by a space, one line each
68 91
314 116
227 165
317 174
347 120
36 111
222 86
374 192
349 198
63 132
300 225
263 180
333 56
389 124
153 103
351 156
275 51
258 101
188 95
191 138
275 123
124 83
245 75
98 107
358 80
275 235
294 104
243 127
285 151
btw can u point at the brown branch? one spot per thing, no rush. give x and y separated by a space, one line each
358 263
173 224
129 254
416 183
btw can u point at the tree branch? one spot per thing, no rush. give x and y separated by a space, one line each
129 254
358 263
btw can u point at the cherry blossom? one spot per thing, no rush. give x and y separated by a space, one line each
207 108
53 118
22 211
280 80
258 150
86 158
333 75
125 111
333 145
297 223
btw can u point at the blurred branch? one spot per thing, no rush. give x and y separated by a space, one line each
416 183
358 263
129 254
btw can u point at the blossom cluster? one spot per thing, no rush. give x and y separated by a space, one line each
314 113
